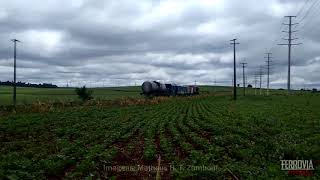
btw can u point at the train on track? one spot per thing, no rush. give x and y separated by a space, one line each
154 88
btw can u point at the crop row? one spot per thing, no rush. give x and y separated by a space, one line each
184 131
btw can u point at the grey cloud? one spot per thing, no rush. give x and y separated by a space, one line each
168 40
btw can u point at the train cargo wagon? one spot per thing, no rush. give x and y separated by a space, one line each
182 90
154 88
172 89
192 90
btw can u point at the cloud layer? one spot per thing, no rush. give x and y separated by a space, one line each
123 42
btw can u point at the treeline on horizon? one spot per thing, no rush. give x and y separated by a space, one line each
24 84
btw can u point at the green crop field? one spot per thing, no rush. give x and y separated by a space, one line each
187 137
31 95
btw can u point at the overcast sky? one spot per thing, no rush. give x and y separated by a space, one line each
123 42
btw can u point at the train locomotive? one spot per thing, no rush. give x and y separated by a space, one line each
154 88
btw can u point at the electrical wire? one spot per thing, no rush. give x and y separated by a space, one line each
308 11
302 7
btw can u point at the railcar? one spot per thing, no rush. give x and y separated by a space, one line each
154 88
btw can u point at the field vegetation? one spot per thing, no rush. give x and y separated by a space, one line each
26 96
35 95
241 139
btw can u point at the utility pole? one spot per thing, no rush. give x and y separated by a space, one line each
234 69
232 85
243 76
260 74
268 71
215 84
15 72
255 83
290 39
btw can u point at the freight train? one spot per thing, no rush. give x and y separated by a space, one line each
154 88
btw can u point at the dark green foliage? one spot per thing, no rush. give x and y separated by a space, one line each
246 139
84 93
314 90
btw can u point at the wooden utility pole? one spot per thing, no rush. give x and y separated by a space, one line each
244 78
234 69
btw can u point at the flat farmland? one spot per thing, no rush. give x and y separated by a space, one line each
28 95
189 137
33 95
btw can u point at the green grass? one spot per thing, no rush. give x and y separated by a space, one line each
247 137
31 95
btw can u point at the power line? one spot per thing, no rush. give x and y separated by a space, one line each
302 7
290 39
281 25
311 19
308 11
234 68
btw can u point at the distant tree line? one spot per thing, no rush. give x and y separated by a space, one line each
24 84
313 90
